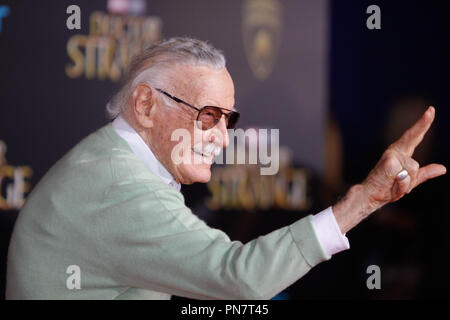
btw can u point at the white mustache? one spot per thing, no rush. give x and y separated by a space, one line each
208 149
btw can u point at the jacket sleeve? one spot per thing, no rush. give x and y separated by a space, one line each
151 240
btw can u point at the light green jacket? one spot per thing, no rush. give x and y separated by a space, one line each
132 237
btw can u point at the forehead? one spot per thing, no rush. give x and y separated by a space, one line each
201 86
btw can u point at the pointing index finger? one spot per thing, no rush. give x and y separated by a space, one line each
414 135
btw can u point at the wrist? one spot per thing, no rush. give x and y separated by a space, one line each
353 208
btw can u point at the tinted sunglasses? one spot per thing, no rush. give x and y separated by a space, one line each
209 116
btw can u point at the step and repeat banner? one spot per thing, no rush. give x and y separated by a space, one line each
61 61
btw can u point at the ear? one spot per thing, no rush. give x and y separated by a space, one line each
143 103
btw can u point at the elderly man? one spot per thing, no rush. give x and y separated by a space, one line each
108 221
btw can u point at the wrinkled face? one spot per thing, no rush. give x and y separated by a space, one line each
185 150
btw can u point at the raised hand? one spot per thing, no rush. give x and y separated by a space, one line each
395 175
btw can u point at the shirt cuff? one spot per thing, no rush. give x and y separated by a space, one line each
328 232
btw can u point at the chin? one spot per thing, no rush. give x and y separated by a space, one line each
204 178
195 173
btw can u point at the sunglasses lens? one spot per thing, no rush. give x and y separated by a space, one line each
232 120
208 117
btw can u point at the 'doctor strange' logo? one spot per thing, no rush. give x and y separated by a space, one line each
112 41
13 186
242 187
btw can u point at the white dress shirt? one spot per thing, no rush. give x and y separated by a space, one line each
325 225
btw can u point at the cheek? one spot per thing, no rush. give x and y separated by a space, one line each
161 139
166 125
176 138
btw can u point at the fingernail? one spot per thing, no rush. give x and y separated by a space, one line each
402 174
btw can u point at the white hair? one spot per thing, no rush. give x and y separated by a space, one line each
153 64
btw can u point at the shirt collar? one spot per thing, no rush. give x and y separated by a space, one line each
143 152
